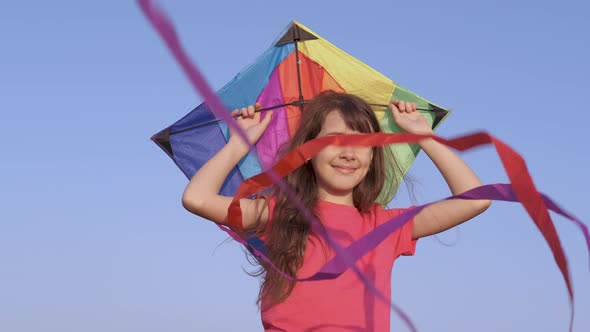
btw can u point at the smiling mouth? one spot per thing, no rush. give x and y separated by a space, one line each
345 169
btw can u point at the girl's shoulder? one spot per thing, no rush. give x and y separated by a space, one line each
385 214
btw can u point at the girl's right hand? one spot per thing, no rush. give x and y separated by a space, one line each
249 120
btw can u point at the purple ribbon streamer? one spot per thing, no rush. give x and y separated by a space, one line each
164 27
498 192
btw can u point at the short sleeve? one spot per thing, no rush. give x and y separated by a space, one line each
404 245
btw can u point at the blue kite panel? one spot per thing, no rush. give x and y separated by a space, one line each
191 149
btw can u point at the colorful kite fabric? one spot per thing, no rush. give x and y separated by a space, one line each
299 65
325 68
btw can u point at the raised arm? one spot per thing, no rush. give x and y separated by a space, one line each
444 215
201 195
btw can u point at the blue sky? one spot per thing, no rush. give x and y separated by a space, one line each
92 233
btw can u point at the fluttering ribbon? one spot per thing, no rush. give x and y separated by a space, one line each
166 30
521 188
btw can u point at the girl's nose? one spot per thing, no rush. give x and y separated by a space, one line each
348 154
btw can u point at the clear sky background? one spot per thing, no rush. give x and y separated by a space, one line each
93 236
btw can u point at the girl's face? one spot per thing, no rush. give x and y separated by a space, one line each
339 169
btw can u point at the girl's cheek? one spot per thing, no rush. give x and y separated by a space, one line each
365 153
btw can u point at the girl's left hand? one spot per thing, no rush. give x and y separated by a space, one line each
407 118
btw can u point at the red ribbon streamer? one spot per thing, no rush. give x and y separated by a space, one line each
514 164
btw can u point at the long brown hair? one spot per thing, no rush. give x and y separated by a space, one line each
288 232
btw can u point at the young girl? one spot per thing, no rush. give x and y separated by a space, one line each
340 185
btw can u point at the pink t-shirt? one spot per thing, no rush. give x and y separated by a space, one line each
344 303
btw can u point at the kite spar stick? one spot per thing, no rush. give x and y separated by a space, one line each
295 103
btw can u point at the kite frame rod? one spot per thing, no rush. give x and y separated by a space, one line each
295 103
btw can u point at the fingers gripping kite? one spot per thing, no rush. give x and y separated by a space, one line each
298 66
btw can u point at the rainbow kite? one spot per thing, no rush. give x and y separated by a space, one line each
299 65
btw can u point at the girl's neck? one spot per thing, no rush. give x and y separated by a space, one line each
344 199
